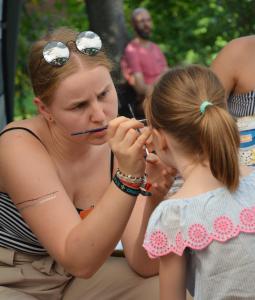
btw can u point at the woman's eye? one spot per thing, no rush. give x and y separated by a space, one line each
102 95
81 105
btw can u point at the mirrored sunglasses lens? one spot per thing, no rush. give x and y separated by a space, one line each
88 42
56 53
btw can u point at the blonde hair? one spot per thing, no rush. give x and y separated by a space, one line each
213 135
44 77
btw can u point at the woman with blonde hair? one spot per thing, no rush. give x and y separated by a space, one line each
69 181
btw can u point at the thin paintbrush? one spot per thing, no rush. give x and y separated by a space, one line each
90 130
98 129
133 115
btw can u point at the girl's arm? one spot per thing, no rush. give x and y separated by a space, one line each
172 277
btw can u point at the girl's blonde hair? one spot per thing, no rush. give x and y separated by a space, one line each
44 77
175 107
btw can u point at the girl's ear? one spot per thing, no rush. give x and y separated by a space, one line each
160 139
42 109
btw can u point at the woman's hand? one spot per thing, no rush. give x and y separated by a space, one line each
160 176
127 144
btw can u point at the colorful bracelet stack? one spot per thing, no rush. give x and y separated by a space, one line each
132 185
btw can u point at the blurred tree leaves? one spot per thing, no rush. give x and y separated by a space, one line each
187 31
194 31
37 17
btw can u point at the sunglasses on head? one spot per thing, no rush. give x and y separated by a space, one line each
57 53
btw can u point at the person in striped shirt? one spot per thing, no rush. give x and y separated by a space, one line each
235 67
69 180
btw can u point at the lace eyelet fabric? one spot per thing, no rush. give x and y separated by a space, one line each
198 236
159 242
247 219
224 229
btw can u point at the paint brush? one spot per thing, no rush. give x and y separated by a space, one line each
133 115
98 129
90 130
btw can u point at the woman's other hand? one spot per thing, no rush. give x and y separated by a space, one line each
160 176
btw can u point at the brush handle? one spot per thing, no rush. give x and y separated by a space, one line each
99 129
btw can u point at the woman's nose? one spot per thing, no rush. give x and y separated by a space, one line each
97 114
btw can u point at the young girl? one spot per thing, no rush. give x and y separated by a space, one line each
204 233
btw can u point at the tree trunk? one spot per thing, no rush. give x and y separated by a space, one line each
106 18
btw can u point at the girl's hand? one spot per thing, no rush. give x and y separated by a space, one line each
127 144
160 176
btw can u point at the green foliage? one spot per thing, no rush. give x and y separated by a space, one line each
187 31
194 31
38 17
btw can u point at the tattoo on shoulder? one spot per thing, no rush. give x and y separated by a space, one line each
37 201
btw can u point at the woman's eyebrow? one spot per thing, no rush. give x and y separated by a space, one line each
83 101
105 88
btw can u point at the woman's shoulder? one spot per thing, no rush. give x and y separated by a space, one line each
23 136
240 46
35 126
21 148
195 222
241 41
31 123
236 47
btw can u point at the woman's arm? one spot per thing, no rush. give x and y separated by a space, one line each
172 277
30 177
133 237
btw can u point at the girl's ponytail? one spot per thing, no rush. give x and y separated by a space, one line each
203 128
220 141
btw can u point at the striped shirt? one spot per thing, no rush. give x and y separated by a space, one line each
14 232
242 105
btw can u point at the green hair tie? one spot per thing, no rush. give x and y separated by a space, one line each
203 106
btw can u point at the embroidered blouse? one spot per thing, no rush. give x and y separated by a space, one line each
216 229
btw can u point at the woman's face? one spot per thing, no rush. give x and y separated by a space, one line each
85 100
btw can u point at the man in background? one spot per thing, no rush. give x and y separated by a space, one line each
143 61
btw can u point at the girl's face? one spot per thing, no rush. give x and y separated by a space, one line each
163 146
85 100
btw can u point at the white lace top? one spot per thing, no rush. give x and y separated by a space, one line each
217 230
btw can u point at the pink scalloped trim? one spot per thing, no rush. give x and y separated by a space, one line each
157 243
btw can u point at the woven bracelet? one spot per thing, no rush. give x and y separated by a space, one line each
128 190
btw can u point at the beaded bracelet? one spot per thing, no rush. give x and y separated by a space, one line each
128 190
129 178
